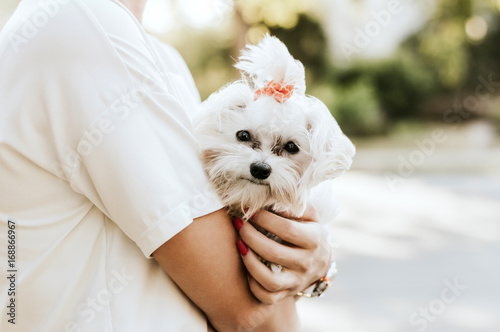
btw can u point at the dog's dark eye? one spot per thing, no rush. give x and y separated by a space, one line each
291 147
243 136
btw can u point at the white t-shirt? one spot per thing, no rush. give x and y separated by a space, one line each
98 168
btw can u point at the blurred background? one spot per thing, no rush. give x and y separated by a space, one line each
416 86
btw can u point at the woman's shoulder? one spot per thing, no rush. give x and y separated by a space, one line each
56 31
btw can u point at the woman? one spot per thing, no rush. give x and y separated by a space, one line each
99 171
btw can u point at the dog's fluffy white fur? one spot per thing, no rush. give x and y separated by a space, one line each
324 152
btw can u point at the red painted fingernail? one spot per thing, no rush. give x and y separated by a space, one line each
237 222
242 247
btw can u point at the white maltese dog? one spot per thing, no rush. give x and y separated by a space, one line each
265 144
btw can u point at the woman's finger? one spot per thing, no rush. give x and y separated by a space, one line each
263 295
271 250
300 234
270 281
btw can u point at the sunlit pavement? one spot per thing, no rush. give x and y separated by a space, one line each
423 255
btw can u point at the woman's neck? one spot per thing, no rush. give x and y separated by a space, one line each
136 7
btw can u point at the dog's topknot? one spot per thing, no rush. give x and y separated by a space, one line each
270 61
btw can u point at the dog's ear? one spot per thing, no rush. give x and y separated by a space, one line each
331 150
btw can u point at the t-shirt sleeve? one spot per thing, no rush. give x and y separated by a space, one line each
142 170
118 122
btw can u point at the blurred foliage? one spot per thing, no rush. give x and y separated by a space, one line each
355 106
459 44
307 42
434 69
272 13
495 111
400 83
208 58
445 47
442 42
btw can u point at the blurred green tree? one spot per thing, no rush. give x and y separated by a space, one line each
432 69
459 44
294 23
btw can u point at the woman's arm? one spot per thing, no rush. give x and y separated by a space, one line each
204 262
284 318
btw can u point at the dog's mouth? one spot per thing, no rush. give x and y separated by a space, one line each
256 181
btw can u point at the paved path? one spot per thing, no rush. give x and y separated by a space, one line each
422 257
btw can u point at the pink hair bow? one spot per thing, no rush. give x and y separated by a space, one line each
279 91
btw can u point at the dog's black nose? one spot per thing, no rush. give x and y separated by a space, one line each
260 170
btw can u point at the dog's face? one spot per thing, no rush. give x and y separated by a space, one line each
260 153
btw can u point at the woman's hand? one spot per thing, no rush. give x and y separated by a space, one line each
305 258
